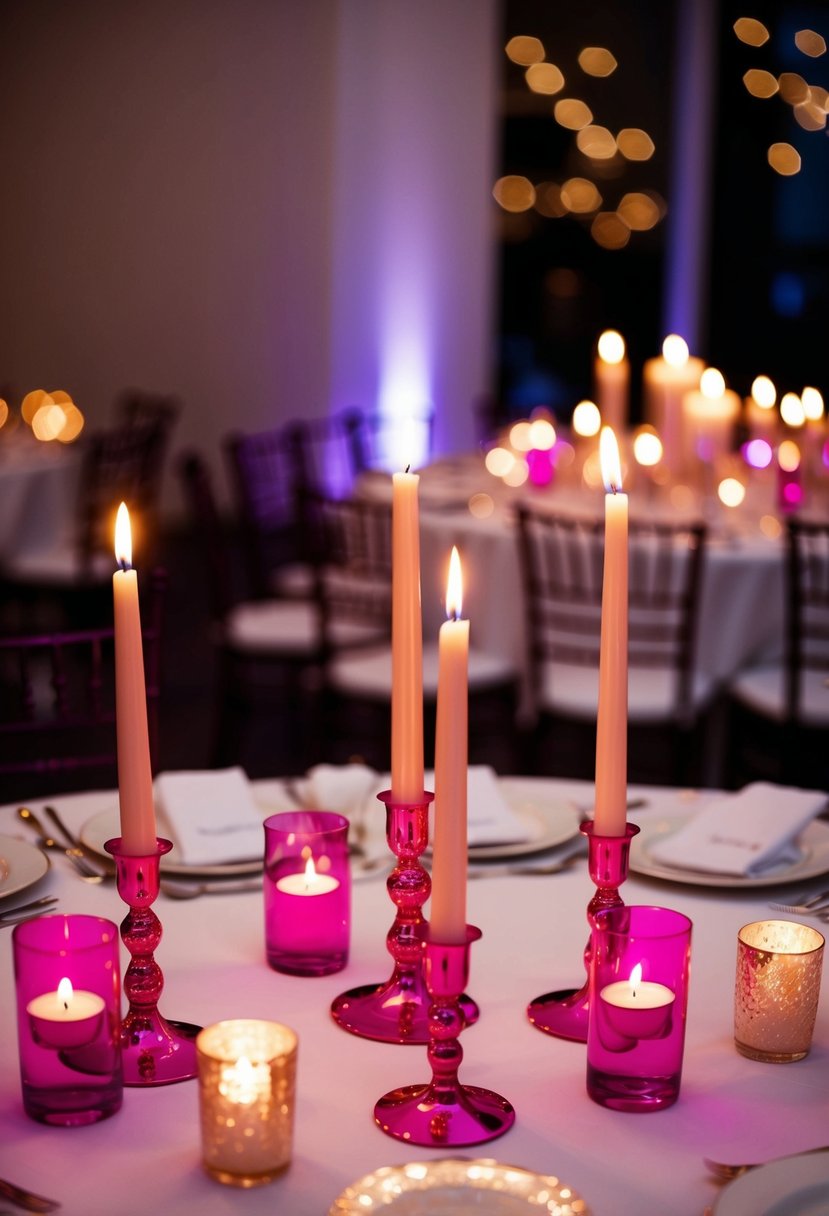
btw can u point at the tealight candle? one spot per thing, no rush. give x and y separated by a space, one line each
247 1078
776 993
637 1008
307 892
66 1018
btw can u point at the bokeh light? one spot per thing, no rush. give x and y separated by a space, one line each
647 447
635 144
580 195
520 436
731 492
793 88
597 61
499 461
542 434
611 346
760 83
675 351
810 43
587 420
4 412
548 200
751 32
32 402
638 211
784 159
763 392
812 401
481 506
517 475
572 113
609 231
771 527
525 50
73 424
48 422
596 142
712 383
791 410
758 453
788 456
544 78
514 193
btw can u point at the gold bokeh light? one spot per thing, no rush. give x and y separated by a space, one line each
712 383
812 401
4 412
520 436
784 159
791 410
763 392
573 114
731 492
544 78
635 144
638 211
788 456
597 61
587 420
760 83
514 193
647 447
580 195
793 88
524 50
548 200
608 231
751 32
499 461
810 43
596 142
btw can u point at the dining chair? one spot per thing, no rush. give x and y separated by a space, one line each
57 703
120 463
355 584
779 711
668 698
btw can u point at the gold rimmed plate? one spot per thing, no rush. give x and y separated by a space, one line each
21 865
457 1185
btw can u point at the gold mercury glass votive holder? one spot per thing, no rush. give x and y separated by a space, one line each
776 993
247 1076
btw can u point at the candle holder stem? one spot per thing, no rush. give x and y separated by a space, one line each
398 1010
155 1051
444 1112
564 1013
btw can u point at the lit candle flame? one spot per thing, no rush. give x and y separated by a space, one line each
609 459
712 383
65 992
454 587
310 872
791 410
635 978
123 538
675 351
763 392
812 402
611 346
587 420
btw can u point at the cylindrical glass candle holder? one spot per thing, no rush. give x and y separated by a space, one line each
638 998
247 1078
307 885
776 993
69 1018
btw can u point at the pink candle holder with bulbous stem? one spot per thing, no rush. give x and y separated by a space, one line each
398 1010
564 1013
445 1113
155 1051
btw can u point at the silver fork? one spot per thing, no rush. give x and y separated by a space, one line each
814 904
85 869
23 912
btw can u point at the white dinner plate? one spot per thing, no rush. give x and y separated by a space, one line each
795 1186
813 843
549 821
21 865
452 1185
107 824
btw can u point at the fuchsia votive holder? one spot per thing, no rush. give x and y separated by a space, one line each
307 887
638 999
69 1037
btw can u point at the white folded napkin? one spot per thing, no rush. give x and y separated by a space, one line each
211 816
743 834
348 789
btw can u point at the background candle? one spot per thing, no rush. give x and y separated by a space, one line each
665 381
709 418
761 415
777 987
135 779
611 373
407 643
449 862
611 725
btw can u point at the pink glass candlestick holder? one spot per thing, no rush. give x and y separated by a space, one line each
564 1012
68 989
398 1011
307 888
155 1051
444 1112
639 995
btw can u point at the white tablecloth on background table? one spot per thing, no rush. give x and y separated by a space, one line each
147 1157
38 488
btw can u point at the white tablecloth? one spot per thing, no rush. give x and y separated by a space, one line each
147 1157
38 488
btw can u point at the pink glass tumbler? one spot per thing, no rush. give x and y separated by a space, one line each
307 887
68 1018
638 999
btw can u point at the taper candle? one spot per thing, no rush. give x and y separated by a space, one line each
611 727
407 643
449 861
611 374
135 779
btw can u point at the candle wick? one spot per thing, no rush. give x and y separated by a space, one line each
66 1006
123 564
408 466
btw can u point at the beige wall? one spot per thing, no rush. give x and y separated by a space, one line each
204 197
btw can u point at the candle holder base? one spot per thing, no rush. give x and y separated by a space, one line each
445 1113
154 1051
397 1011
564 1013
